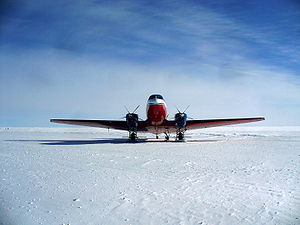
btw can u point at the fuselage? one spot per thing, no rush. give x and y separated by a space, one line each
156 110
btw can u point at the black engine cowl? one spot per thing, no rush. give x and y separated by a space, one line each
132 121
180 120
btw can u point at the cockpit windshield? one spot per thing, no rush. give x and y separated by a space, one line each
155 96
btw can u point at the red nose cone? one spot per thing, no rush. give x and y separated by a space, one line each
157 114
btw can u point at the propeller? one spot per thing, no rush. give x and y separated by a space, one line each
126 109
184 110
133 110
136 109
131 113
183 114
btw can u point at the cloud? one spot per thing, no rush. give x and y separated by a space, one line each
59 84
135 30
89 58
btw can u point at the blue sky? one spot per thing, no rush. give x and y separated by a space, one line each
86 59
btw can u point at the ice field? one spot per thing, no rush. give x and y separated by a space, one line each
228 175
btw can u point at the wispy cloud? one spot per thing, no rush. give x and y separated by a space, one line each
88 58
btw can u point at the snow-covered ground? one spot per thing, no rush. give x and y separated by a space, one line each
231 175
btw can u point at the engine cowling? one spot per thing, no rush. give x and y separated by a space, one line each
132 121
180 120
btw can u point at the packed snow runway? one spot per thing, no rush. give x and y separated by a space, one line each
231 175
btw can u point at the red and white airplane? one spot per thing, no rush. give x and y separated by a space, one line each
157 122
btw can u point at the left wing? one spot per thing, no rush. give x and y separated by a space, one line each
197 124
113 124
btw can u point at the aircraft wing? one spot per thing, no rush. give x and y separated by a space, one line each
197 124
113 124
167 126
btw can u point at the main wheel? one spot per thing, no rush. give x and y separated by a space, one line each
132 137
180 136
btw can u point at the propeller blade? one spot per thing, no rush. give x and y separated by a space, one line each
136 109
186 108
177 109
126 109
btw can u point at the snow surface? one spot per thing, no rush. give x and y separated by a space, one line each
231 175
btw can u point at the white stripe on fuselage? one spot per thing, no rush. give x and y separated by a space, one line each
155 101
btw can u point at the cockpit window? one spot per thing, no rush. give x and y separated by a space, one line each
155 96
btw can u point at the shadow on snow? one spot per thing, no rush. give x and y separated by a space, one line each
107 141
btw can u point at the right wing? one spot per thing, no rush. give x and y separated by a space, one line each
113 124
198 124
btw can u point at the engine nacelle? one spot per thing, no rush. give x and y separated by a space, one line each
180 120
132 121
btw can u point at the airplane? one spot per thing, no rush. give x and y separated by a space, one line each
157 122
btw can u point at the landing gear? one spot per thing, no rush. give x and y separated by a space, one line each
156 136
167 137
132 136
180 136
